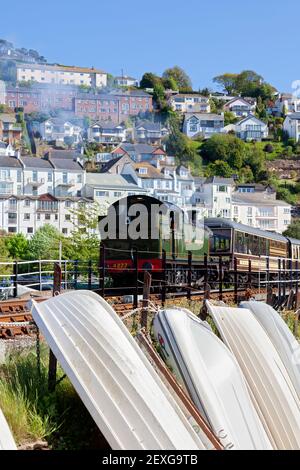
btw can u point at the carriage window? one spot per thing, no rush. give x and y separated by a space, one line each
220 242
240 246
263 246
254 245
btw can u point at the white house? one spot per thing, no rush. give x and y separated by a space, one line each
190 103
124 80
105 188
286 103
292 126
215 193
6 149
107 132
26 214
32 176
60 130
205 125
158 183
251 128
261 211
240 107
61 74
150 132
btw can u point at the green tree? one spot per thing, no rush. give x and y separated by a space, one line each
17 246
45 243
182 147
169 83
219 168
227 148
149 80
229 118
180 77
227 82
84 242
255 159
293 229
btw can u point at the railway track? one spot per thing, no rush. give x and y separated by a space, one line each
17 311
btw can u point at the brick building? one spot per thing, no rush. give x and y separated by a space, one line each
115 106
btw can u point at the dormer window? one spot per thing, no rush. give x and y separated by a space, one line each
143 171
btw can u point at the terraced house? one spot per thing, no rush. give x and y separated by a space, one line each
61 74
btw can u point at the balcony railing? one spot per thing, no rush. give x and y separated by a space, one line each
62 182
38 182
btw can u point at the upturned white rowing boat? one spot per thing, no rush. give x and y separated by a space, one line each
211 376
7 441
281 336
124 395
272 390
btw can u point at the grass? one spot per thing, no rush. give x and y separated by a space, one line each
34 413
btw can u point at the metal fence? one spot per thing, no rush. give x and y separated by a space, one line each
189 277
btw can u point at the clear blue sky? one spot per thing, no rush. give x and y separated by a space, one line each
204 37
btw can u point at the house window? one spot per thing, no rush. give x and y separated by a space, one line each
222 189
65 178
68 203
102 193
79 178
56 216
47 216
19 190
249 211
228 200
12 218
34 176
49 178
65 231
236 210
67 217
27 202
19 177
26 216
117 194
286 210
38 216
29 229
12 229
143 171
286 222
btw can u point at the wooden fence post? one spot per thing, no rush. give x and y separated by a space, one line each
145 303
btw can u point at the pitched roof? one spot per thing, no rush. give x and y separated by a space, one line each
138 148
205 116
107 125
150 126
238 98
107 166
36 162
251 116
63 68
294 116
66 164
110 181
258 199
152 172
219 180
10 162
53 153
